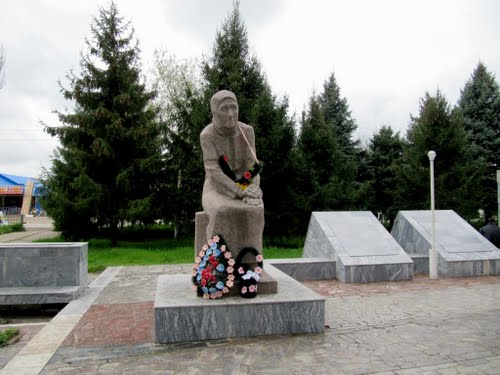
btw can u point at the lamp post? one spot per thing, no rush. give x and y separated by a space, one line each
433 269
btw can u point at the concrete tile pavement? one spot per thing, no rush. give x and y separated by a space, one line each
448 326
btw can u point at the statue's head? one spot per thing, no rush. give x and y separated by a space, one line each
224 108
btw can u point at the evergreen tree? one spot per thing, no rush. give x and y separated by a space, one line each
105 172
480 105
337 114
440 129
323 165
385 150
233 68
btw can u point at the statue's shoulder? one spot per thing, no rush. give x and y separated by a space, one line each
207 131
246 128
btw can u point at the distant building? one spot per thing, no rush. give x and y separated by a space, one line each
19 192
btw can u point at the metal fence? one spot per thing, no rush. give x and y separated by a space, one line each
11 219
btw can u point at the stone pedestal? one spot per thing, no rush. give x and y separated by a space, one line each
181 316
232 239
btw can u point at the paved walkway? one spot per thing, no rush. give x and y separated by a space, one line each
36 228
447 326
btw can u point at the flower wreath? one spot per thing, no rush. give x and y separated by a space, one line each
213 271
247 177
247 277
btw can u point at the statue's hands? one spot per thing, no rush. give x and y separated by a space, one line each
253 191
252 195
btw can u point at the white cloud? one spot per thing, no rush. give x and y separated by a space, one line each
385 54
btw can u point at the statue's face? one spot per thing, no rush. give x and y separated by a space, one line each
228 113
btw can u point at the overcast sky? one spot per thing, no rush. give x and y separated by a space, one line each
385 54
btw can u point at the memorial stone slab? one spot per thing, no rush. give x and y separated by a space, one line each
41 273
462 250
363 249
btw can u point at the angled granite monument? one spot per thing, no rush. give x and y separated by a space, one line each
462 250
363 249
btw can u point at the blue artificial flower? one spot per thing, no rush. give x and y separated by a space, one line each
202 265
219 285
217 252
212 290
220 268
198 278
213 246
209 252
204 289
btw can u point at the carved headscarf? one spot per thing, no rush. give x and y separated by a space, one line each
218 97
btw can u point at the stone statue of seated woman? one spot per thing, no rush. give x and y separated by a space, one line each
232 198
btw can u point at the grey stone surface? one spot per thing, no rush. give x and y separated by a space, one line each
420 263
306 268
32 358
236 214
38 295
363 249
462 251
32 273
181 316
440 328
200 231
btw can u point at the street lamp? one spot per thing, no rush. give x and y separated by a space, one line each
433 269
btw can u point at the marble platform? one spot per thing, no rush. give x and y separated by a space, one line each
306 268
363 249
462 250
42 273
181 316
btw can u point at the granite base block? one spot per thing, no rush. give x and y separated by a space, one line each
374 272
38 296
306 268
420 263
181 316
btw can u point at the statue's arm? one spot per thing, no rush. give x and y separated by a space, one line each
223 184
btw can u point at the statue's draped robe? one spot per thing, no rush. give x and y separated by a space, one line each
241 224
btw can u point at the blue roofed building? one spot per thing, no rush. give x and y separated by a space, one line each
19 193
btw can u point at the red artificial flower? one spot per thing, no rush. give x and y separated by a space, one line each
203 282
226 159
247 175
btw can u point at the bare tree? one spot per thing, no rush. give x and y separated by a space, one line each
2 67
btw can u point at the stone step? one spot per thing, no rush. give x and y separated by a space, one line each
181 316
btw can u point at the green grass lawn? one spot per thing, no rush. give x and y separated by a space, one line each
157 251
11 228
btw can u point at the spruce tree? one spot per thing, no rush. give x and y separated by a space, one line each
232 67
480 106
438 128
385 150
105 172
337 114
324 165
